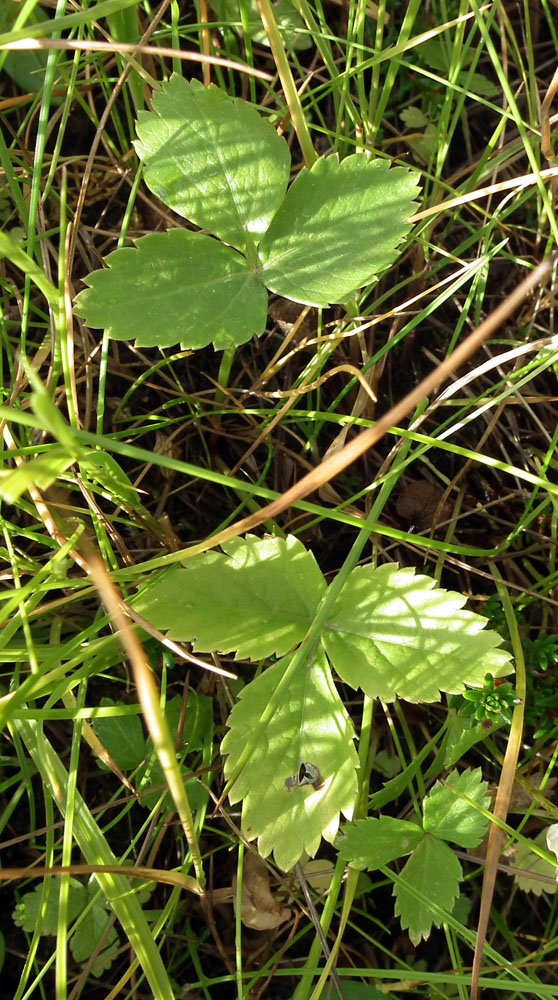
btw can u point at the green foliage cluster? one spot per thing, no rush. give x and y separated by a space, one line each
217 162
295 756
489 704
86 911
124 739
541 663
387 633
433 871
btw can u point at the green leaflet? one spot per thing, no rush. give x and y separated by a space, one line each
338 227
310 725
175 286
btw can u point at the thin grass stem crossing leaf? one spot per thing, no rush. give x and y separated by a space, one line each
311 726
28 910
214 160
258 598
371 843
175 287
338 227
394 633
122 736
450 817
434 872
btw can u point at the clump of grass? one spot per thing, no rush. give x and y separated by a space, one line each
191 443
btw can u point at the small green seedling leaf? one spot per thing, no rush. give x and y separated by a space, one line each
89 928
371 843
197 731
414 118
28 911
450 817
89 932
434 872
439 58
397 786
151 783
259 598
198 723
360 991
311 726
175 287
26 68
338 227
214 160
123 737
394 633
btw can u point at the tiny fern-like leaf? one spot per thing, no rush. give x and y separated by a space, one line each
258 597
175 287
311 726
394 633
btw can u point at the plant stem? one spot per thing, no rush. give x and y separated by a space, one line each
224 373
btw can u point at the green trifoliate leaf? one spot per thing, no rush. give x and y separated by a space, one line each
310 727
434 871
452 818
213 159
371 843
175 287
258 598
338 227
396 634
